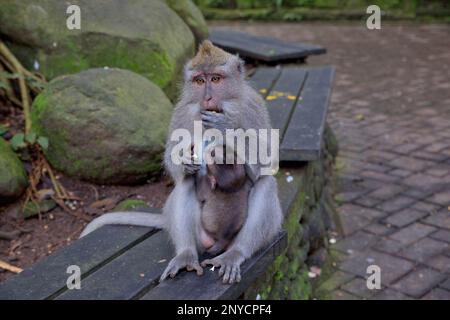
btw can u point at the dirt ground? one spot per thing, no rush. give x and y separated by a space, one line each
58 228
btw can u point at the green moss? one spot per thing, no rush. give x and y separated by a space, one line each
131 204
301 287
13 177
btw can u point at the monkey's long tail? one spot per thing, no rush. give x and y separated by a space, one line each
132 218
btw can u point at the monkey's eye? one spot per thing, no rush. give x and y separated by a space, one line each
199 80
216 78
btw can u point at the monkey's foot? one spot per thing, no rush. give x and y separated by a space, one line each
186 259
229 263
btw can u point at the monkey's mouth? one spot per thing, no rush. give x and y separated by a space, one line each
214 109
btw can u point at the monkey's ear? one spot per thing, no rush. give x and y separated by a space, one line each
240 66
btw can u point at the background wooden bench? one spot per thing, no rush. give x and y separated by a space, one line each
121 262
264 49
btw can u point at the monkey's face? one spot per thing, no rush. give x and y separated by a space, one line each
214 85
211 82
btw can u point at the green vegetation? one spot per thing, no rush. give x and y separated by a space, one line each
297 10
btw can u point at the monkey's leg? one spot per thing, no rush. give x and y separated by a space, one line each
183 218
263 223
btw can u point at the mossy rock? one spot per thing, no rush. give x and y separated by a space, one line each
13 177
144 36
192 16
104 125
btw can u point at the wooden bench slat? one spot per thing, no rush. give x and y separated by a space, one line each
189 286
303 137
262 48
47 277
129 274
280 109
264 78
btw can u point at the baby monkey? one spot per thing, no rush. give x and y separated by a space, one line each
222 190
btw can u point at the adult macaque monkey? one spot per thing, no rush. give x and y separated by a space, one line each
214 80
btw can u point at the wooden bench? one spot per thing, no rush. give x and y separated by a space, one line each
122 262
264 49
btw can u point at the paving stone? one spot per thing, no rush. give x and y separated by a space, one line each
412 233
425 206
379 176
387 245
362 211
352 222
400 173
445 284
356 242
418 194
358 287
396 204
440 219
437 147
443 235
349 196
441 198
422 181
337 279
419 282
437 294
439 171
424 155
441 263
392 267
404 217
378 229
379 155
367 201
342 295
386 192
424 249
390 294
406 148
409 163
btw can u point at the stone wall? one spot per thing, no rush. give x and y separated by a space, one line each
308 206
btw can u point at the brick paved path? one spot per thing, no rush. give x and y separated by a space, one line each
391 112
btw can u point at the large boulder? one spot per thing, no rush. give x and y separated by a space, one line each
192 16
144 36
103 125
13 177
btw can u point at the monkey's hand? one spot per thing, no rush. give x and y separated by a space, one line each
216 120
229 263
186 259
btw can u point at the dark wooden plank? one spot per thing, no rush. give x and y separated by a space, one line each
304 135
262 48
125 277
264 78
48 277
281 99
189 286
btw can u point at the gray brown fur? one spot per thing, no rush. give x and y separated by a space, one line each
243 108
223 195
